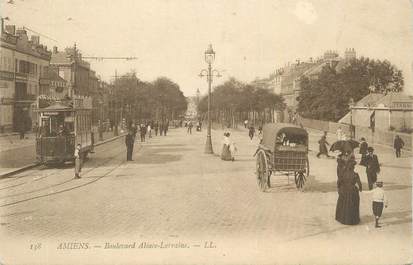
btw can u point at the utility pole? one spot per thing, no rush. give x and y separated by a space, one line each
115 103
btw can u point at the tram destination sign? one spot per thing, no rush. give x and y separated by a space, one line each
50 113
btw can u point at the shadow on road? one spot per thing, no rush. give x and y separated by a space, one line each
154 155
389 218
396 166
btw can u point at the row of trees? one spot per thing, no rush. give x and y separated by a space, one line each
161 99
328 97
233 101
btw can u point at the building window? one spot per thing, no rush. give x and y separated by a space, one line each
61 73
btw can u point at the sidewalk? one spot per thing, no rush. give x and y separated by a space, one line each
16 154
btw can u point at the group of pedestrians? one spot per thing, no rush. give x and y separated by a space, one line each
348 180
145 129
251 130
189 125
349 185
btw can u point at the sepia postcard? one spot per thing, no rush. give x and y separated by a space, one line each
206 132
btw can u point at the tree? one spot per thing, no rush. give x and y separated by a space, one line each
148 100
233 100
328 96
170 100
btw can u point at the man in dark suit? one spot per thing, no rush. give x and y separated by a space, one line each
363 150
372 167
129 141
398 145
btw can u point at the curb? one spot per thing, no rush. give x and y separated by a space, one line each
15 171
30 166
109 140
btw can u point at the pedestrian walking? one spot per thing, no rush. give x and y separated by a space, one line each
379 201
134 131
165 128
189 131
149 130
143 132
228 148
78 161
251 132
36 129
22 129
245 124
322 147
363 151
398 145
372 167
348 202
129 141
339 133
156 127
161 125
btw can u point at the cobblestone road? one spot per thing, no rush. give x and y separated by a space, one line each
174 192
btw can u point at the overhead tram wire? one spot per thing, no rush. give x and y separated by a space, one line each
101 58
38 33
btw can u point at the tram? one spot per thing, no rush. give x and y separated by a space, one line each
62 125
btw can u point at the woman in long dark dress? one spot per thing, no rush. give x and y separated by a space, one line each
349 186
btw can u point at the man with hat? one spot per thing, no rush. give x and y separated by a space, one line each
372 167
129 141
363 150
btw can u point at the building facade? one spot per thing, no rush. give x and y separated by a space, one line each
286 80
72 68
7 80
391 112
52 85
23 62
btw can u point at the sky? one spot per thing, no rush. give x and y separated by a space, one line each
251 38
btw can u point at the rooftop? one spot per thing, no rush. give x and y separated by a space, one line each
391 100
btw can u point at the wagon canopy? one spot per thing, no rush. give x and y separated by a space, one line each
272 130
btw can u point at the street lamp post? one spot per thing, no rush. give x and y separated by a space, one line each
209 73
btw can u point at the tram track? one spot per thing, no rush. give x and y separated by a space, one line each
40 177
85 173
7 176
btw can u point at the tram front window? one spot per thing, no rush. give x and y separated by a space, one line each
56 125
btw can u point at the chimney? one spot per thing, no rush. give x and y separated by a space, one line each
11 29
35 39
20 32
55 49
350 54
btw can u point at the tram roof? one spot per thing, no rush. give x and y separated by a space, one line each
59 107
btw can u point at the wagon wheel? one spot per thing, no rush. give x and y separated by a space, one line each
300 177
262 171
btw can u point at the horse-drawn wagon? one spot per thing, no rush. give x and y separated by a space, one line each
284 149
